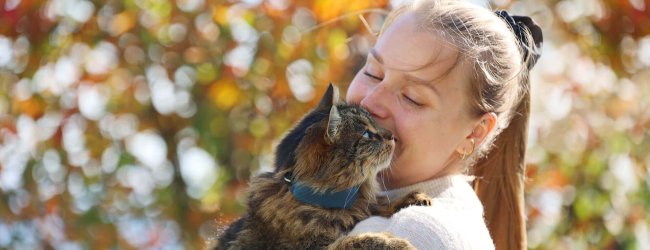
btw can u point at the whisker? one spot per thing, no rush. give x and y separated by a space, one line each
383 183
347 198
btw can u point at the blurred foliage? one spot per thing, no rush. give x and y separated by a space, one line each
136 123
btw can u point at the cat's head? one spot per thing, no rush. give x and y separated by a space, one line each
336 146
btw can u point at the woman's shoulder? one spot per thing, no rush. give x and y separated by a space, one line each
433 228
444 222
453 221
451 228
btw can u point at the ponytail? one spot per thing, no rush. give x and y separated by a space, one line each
499 181
501 173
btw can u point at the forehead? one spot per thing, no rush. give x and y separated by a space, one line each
406 47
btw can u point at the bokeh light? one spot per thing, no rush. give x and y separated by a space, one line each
136 124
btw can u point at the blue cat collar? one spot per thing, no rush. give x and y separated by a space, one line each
327 199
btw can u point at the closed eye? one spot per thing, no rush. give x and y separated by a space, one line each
372 76
412 101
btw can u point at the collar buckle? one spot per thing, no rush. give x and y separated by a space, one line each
288 178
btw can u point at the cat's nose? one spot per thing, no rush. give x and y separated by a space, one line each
387 135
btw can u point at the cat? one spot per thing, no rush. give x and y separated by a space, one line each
322 185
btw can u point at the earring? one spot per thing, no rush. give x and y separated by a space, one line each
465 153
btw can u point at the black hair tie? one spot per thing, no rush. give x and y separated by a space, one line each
518 25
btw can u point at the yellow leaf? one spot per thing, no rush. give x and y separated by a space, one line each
220 14
224 94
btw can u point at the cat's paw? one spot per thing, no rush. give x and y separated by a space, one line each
380 241
417 198
414 198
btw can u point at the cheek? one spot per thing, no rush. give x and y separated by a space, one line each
410 128
424 132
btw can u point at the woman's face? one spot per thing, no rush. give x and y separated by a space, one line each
412 87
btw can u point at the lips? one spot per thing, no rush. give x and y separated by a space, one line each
397 147
394 136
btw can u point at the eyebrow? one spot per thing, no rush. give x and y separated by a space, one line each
408 77
379 59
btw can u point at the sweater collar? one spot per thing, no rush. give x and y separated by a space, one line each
329 199
434 187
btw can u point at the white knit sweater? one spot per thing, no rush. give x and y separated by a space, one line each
454 221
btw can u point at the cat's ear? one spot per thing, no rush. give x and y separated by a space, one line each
333 125
330 98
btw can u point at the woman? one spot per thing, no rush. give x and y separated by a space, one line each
447 77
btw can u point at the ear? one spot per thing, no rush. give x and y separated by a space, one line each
480 131
330 98
333 125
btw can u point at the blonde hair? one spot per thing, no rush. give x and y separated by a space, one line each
499 85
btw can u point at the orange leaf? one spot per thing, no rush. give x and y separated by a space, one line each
32 107
326 10
122 22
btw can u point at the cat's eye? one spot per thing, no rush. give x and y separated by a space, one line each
366 134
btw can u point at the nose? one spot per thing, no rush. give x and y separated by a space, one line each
375 101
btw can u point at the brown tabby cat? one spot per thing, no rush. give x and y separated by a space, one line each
323 184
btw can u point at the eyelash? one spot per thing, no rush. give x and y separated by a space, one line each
372 76
411 101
